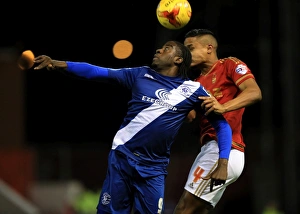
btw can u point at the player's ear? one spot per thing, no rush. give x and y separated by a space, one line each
210 48
178 60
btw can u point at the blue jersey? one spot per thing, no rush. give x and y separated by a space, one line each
156 111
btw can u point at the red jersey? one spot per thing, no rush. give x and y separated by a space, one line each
222 82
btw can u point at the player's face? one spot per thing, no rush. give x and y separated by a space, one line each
164 57
198 51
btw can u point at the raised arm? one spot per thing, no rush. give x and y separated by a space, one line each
81 69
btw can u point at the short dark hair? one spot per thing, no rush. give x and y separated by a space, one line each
186 55
199 32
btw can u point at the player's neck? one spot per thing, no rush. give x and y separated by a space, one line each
208 66
172 72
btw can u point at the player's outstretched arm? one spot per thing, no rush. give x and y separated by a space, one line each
81 69
44 61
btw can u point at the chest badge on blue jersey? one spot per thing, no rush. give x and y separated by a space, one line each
185 90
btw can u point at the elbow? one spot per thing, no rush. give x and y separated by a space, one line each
258 96
191 116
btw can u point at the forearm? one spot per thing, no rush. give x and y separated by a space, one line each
59 64
86 70
224 138
223 162
244 99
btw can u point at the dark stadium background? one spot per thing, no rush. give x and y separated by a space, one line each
58 105
80 118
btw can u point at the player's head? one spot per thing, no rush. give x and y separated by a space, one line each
173 54
203 45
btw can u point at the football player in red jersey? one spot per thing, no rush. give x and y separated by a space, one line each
232 87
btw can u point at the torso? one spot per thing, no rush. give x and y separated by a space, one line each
222 82
158 107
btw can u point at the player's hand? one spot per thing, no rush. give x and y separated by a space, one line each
219 175
211 104
44 62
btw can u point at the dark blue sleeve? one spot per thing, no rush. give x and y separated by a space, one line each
221 126
123 76
224 134
87 70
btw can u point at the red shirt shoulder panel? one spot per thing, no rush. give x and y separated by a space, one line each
236 69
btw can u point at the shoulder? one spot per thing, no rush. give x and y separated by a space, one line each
231 60
145 69
139 69
234 64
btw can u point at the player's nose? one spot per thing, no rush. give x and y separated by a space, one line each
158 51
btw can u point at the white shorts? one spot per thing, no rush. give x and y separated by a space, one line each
205 162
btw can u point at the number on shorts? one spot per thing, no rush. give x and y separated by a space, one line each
197 173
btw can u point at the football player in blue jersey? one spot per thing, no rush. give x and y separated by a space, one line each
162 96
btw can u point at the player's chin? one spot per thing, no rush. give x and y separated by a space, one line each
194 64
153 64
